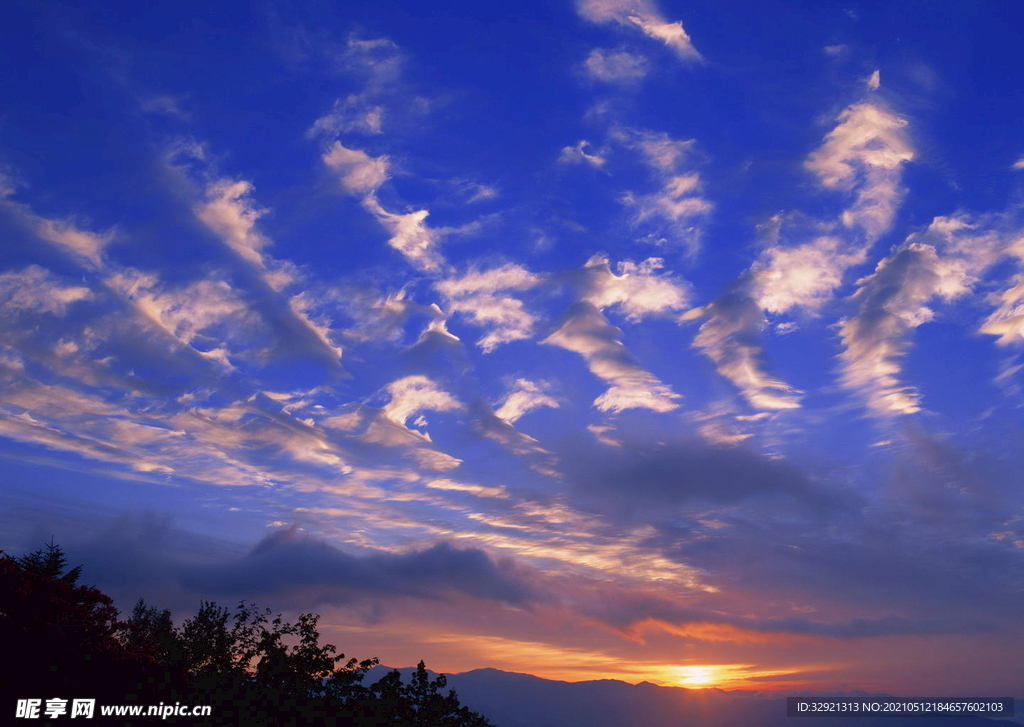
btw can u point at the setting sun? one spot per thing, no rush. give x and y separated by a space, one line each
697 676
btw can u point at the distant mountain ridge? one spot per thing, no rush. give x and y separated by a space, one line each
510 699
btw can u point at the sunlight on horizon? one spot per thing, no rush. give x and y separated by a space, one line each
698 676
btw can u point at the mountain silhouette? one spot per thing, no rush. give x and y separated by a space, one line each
521 700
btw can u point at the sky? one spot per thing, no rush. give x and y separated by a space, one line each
675 342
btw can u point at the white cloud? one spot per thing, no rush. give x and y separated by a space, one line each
677 202
389 427
801 276
25 428
616 66
637 291
524 397
377 60
1019 164
87 247
892 302
376 64
302 306
381 318
230 213
506 317
864 155
510 276
143 438
587 332
413 444
731 339
661 152
414 394
362 174
644 16
474 191
478 490
491 425
355 113
578 155
944 262
436 333
717 431
358 172
234 429
1007 321
167 105
205 315
484 297
37 290
8 186
410 235
602 433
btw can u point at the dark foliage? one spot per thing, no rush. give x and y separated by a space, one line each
59 636
251 667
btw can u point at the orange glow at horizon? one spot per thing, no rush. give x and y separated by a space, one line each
697 676
574 664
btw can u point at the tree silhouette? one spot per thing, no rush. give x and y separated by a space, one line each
50 563
251 667
150 634
263 668
61 633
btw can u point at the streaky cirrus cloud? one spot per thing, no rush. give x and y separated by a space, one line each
381 98
616 66
486 298
578 154
943 263
231 213
524 397
863 157
637 291
37 290
414 394
85 246
358 172
677 211
1007 321
644 16
228 211
586 331
731 337
207 315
